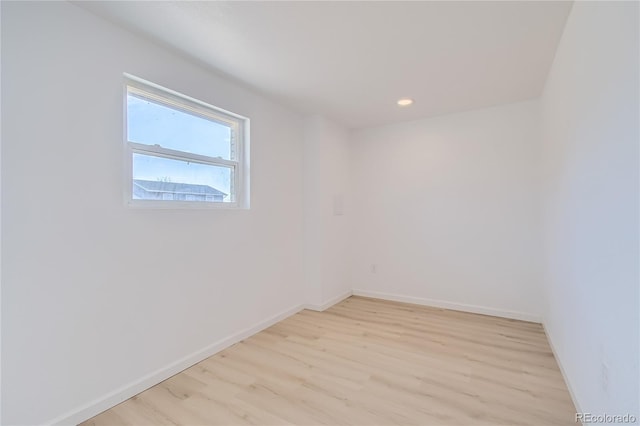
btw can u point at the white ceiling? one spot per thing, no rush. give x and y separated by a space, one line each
351 61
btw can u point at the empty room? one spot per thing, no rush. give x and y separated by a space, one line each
320 213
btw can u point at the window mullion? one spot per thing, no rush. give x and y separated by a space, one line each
179 155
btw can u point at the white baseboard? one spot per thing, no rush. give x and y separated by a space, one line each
329 303
115 397
562 370
449 305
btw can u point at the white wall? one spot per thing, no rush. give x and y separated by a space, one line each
0 222
95 295
326 211
590 136
447 210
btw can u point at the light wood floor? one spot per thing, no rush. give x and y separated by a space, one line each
367 362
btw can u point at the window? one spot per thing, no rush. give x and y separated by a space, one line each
182 152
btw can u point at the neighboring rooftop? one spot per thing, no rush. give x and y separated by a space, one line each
177 187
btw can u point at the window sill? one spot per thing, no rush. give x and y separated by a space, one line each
182 205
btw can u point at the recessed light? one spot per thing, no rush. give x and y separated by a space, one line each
405 102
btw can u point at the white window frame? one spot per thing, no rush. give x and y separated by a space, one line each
181 102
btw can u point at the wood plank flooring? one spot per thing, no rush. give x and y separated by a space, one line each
367 362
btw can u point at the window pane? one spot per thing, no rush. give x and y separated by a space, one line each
151 123
157 178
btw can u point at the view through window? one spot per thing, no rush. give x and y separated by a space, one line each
181 151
